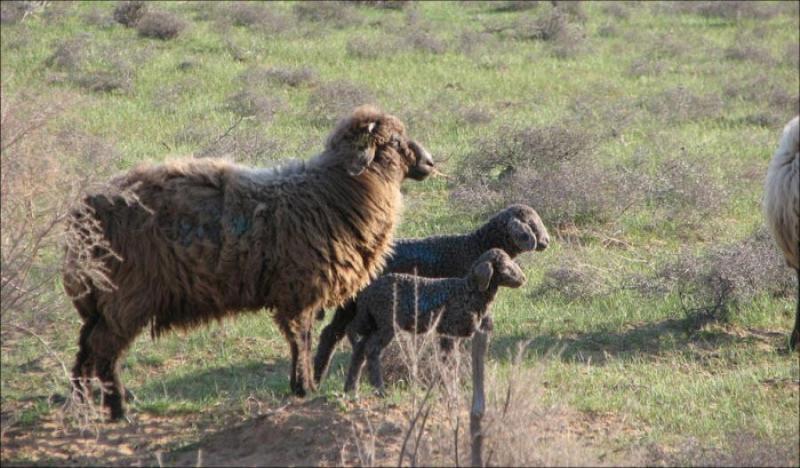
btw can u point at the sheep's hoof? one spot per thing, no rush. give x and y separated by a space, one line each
130 396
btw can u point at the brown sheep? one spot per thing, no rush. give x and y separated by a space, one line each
211 238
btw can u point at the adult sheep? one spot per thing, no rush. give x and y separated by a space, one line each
782 205
211 238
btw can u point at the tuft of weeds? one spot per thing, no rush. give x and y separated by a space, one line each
328 13
573 280
425 42
618 10
740 449
332 100
129 13
160 25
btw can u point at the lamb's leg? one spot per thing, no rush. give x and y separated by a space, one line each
374 347
332 334
356 363
84 363
106 348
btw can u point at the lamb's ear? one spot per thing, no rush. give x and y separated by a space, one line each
522 234
481 275
365 150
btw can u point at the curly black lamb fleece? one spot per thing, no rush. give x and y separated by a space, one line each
455 306
516 229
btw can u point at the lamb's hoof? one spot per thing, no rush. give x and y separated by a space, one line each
130 396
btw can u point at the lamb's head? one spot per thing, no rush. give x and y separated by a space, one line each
369 138
495 267
523 228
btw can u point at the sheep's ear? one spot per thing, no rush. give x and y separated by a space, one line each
522 235
365 150
481 275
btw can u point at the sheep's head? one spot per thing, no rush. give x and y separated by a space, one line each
370 137
525 229
495 266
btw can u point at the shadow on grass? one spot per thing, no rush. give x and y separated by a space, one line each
228 382
639 341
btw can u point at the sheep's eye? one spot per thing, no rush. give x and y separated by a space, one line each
395 142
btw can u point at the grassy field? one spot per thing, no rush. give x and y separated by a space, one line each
655 327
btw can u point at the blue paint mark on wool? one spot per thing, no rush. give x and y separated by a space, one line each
407 254
240 225
426 302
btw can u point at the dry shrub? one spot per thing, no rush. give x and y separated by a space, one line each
129 13
574 280
552 168
646 66
727 10
294 77
516 5
363 48
98 18
618 10
44 176
249 103
425 42
328 13
765 91
332 100
249 146
384 4
677 105
256 16
739 449
472 42
12 12
742 52
680 190
81 62
160 25
717 281
556 26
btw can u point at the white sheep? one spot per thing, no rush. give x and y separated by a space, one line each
782 205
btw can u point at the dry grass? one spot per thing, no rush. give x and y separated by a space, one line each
80 62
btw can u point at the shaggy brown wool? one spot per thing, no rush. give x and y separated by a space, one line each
211 238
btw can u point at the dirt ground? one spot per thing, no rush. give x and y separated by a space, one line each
314 432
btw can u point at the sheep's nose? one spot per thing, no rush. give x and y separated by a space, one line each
542 242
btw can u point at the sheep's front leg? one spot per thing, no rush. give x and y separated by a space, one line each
298 334
374 348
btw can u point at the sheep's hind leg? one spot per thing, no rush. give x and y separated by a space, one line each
106 348
84 363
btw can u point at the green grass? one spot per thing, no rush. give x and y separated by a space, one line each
621 351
